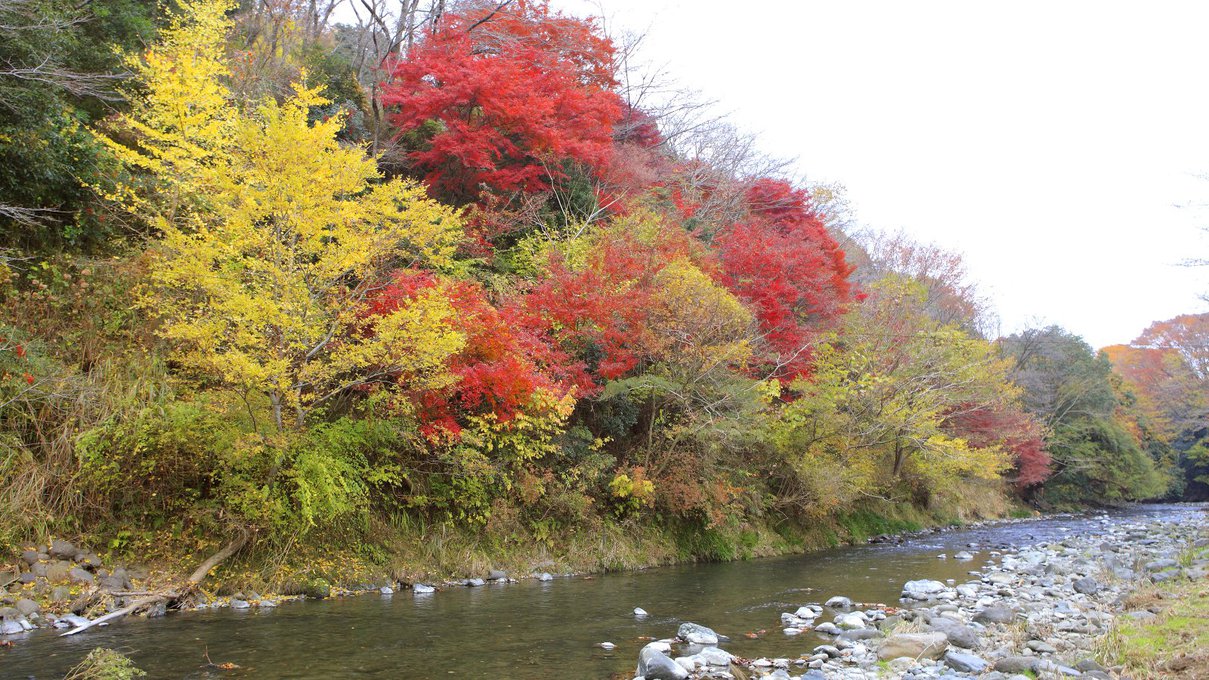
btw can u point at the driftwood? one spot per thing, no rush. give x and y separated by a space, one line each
171 593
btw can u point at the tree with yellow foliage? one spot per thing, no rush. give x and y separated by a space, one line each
275 235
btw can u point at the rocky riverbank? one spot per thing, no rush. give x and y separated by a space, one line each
1032 611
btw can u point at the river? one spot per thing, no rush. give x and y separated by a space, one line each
533 629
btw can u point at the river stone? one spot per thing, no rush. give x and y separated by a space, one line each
545 576
697 634
422 589
497 575
655 665
1000 579
959 634
1087 586
80 575
862 634
63 550
1041 647
838 602
386 590
851 621
640 612
27 606
714 656
607 646
995 614
922 590
11 627
1165 575
30 557
1087 665
827 628
1017 664
913 645
1160 565
239 604
7 577
964 556
474 582
56 572
964 663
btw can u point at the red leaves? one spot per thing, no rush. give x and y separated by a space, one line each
1014 430
498 370
784 264
502 103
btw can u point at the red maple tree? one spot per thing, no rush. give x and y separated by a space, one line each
783 263
498 99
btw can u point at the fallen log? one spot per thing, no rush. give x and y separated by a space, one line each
171 594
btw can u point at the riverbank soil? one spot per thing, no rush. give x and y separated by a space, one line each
1166 633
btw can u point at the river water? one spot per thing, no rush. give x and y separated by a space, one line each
539 630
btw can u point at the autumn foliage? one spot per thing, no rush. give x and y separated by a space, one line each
501 99
474 280
782 262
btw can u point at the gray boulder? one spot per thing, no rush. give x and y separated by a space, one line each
995 614
1087 586
1017 664
422 589
27 606
655 665
497 575
696 634
922 590
63 550
959 634
838 602
964 663
914 645
80 575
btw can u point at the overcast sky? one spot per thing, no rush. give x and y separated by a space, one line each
1047 141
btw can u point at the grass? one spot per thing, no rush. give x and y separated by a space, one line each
105 664
1175 644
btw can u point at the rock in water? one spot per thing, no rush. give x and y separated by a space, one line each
851 621
697 634
386 590
922 590
838 602
545 576
422 589
655 665
474 582
640 612
914 645
607 646
497 575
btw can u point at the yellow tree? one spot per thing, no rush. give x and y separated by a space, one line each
262 284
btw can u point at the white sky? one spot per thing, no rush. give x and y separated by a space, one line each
1047 141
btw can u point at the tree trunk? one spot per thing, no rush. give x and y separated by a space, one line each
172 594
